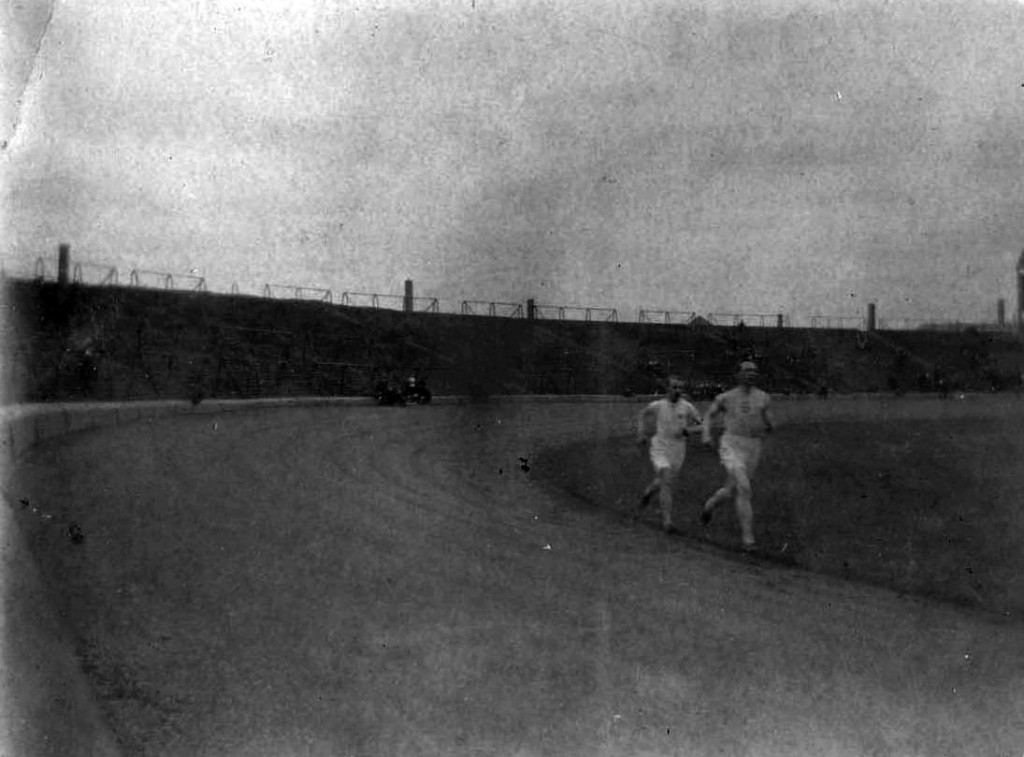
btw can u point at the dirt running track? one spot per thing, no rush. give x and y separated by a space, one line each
367 581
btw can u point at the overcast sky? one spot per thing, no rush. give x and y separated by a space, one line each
721 157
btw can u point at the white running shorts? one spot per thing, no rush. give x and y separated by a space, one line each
667 455
741 453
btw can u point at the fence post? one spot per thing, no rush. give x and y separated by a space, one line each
531 309
407 303
871 316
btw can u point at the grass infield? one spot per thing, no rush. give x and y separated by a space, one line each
931 506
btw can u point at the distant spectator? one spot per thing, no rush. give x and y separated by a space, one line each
416 391
88 370
389 392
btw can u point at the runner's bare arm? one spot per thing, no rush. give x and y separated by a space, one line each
646 425
709 419
769 420
693 421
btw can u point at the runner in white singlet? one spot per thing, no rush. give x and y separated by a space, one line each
747 419
664 426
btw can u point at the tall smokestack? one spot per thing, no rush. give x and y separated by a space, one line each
63 263
1020 292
